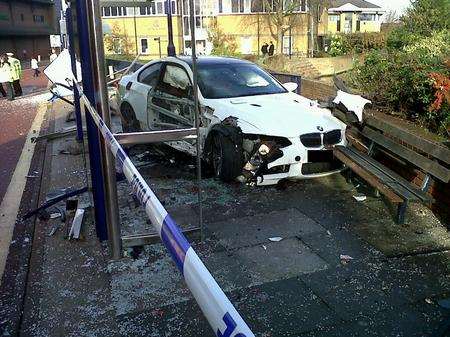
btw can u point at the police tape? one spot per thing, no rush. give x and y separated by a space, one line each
217 308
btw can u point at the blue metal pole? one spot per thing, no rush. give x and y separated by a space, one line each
76 95
98 190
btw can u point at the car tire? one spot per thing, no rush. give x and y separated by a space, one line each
129 120
226 158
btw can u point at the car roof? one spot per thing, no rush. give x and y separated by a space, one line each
210 60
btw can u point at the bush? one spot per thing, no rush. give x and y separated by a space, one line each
342 44
413 73
404 81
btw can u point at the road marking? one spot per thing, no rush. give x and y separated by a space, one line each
13 196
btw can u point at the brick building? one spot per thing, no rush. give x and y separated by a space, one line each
25 26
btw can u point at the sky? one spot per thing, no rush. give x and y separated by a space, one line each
398 5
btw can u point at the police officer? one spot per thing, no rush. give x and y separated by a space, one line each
6 77
16 68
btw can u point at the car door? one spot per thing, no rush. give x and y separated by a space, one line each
146 80
171 103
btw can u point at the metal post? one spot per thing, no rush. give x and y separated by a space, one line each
170 45
76 96
109 166
135 28
197 114
98 191
290 42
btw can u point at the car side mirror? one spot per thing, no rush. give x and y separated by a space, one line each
290 86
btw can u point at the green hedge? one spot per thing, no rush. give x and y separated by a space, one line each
405 79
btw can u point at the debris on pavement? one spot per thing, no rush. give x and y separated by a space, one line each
345 258
275 239
360 198
76 224
55 215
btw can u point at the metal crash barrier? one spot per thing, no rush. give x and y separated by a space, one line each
217 308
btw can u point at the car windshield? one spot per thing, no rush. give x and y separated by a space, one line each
235 80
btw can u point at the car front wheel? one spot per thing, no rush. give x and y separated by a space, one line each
226 158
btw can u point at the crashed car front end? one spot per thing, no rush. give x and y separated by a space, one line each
271 159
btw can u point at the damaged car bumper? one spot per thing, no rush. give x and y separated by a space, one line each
307 156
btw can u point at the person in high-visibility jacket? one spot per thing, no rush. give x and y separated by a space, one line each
6 77
16 68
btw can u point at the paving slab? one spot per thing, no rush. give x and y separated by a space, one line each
273 261
248 231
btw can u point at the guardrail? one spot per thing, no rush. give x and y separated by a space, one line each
217 308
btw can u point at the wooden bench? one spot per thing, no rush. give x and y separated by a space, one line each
432 158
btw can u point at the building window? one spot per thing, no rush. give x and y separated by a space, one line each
367 17
220 6
159 8
237 6
303 5
38 18
116 11
333 18
144 46
186 25
256 6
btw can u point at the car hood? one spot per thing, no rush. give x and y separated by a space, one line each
284 115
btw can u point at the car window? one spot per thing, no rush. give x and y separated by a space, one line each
150 74
236 80
172 98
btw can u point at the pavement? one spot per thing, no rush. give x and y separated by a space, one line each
395 281
17 117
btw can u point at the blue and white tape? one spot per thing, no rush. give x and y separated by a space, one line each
217 308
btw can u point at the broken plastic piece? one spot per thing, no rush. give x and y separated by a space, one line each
275 239
345 258
353 103
76 224
55 215
360 197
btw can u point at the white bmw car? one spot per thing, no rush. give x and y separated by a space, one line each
253 128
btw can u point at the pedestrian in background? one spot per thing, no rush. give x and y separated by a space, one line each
16 68
271 49
35 66
6 77
264 49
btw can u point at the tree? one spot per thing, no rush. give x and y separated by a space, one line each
316 9
391 17
282 15
223 44
425 16
118 42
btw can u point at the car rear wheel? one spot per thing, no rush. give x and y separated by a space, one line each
225 158
129 121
